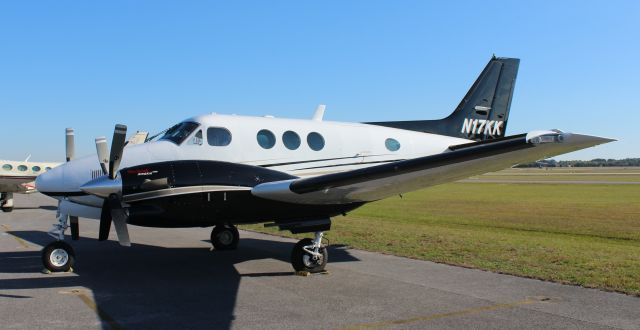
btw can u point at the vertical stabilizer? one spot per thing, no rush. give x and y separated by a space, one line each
483 112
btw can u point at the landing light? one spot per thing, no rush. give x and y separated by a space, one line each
547 139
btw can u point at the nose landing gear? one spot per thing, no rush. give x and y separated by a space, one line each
58 256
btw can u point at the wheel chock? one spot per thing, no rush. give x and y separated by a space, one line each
48 272
305 273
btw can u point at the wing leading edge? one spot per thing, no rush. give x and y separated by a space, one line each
459 162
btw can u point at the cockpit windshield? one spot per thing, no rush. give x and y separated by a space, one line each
178 133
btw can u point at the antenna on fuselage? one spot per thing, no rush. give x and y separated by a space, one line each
317 116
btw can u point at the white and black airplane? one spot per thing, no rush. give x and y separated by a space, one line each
217 170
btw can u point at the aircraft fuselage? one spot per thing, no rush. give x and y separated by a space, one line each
202 179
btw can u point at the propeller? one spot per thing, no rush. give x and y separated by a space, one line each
70 144
70 151
101 148
75 228
117 147
109 187
112 211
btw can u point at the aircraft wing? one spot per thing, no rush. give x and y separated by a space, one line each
459 162
17 183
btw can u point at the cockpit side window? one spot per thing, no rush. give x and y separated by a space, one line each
178 133
196 139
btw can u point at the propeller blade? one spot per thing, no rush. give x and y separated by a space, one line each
75 228
101 148
117 147
105 221
70 144
119 220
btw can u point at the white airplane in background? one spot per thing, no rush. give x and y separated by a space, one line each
18 177
218 170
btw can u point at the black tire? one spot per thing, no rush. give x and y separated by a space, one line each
225 237
7 209
302 261
58 257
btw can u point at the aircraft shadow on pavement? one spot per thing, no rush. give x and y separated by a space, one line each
149 286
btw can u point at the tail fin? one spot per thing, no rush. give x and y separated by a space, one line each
483 112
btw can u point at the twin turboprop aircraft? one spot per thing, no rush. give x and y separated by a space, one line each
220 171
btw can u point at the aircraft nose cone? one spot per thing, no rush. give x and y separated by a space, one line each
51 182
102 187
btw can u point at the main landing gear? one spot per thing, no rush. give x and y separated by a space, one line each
6 201
225 237
310 255
59 256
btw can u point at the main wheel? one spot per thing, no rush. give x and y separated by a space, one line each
225 237
302 260
58 256
7 209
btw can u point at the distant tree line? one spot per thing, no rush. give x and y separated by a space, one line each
598 162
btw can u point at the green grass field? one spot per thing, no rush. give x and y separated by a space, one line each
584 234
604 174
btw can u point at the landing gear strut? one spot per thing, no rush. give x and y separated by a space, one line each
6 201
310 255
58 256
225 237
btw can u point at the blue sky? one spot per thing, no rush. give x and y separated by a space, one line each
149 64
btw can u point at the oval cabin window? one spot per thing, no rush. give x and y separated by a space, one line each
36 168
291 140
266 139
315 141
392 144
22 168
7 167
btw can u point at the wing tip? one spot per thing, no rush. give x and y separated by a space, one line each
591 139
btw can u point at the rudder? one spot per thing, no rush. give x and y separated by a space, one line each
483 112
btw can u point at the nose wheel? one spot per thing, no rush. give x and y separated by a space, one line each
310 255
58 256
225 237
